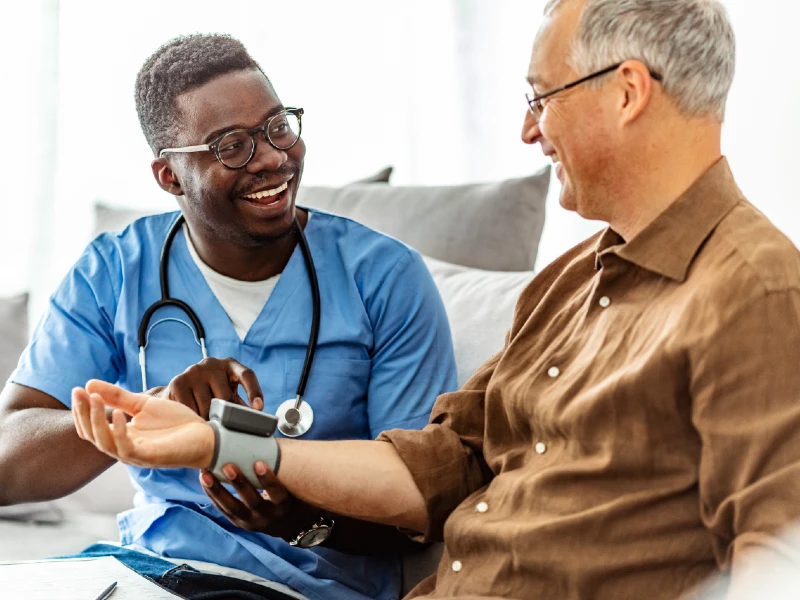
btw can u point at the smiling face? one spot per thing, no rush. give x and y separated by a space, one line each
247 206
576 125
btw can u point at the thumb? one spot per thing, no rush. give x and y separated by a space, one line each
116 397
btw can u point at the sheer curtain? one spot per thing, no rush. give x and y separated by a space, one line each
433 87
27 152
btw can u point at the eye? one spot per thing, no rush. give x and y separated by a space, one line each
279 127
230 147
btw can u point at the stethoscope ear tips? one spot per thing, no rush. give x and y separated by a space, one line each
295 417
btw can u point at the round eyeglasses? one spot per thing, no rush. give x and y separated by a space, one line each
234 149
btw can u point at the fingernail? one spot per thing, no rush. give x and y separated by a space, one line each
260 468
259 402
229 471
206 479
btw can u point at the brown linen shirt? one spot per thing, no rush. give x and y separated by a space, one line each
641 427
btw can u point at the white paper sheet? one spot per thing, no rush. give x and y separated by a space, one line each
76 579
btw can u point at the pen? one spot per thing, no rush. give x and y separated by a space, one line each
107 592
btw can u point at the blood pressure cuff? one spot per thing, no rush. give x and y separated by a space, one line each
242 450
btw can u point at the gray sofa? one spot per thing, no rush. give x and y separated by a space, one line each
479 242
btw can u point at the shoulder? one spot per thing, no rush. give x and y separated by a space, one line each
362 250
749 253
143 230
744 267
143 237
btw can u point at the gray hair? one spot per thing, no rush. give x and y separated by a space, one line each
690 43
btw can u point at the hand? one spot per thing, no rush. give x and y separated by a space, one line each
162 434
274 512
212 378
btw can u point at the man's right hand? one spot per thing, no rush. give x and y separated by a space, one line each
212 378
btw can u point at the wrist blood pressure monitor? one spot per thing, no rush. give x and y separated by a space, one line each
242 436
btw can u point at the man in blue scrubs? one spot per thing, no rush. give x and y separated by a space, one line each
384 351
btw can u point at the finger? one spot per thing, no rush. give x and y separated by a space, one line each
238 373
123 443
269 483
222 387
249 495
114 396
233 509
180 391
202 399
101 431
80 400
246 377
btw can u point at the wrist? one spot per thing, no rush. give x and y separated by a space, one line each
208 447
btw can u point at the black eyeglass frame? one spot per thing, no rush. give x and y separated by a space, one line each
535 104
214 145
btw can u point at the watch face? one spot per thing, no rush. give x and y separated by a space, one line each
314 537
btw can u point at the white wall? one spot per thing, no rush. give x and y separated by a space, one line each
762 131
437 85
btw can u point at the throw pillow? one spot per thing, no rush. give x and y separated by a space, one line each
480 308
109 218
493 226
382 176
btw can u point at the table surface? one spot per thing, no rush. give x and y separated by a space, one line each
30 541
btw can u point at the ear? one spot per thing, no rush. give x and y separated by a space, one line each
166 177
637 90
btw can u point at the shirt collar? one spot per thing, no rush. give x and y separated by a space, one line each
669 244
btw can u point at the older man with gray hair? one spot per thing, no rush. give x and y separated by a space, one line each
640 430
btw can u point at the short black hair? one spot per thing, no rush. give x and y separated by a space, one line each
181 64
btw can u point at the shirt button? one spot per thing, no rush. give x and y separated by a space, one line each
540 448
482 507
457 566
605 301
554 372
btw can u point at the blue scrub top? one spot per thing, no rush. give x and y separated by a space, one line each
384 355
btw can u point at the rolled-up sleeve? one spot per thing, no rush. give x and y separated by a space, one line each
746 407
446 457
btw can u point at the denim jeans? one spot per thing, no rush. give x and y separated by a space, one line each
185 581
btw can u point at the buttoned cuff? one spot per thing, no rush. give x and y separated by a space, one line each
445 471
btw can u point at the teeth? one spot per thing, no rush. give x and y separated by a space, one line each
267 193
555 159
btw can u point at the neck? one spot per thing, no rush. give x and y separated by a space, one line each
249 263
667 171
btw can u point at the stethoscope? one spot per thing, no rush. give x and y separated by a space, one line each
295 416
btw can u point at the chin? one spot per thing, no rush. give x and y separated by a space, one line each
567 200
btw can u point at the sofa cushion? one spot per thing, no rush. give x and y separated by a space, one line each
13 338
480 308
13 332
493 226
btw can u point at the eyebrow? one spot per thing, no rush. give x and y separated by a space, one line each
223 130
533 79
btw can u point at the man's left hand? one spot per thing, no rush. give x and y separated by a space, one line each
274 511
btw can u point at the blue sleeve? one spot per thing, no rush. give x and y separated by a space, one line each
412 358
74 340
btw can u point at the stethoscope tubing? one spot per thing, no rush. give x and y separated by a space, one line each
166 300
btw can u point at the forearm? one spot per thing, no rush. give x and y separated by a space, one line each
364 480
42 457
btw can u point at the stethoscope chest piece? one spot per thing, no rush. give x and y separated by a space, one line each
295 417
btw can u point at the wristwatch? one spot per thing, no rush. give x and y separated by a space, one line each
315 536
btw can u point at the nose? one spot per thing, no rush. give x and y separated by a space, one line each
531 132
266 158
